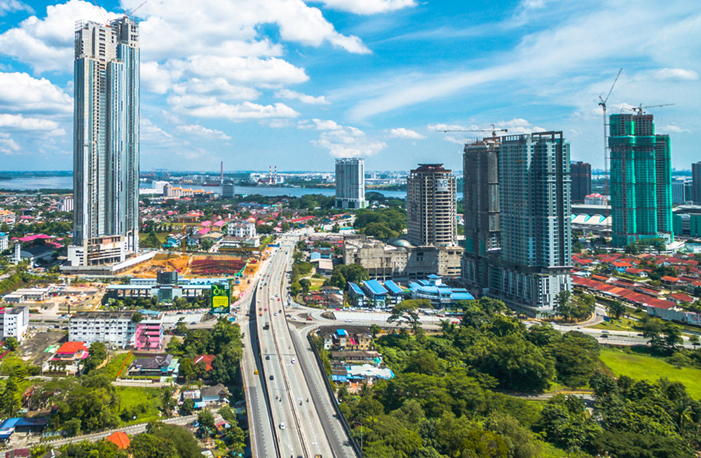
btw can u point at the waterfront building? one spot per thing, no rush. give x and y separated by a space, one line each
350 183
106 139
432 206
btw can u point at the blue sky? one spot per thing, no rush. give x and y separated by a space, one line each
293 83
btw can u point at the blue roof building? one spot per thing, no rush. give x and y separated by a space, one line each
439 294
395 293
377 294
356 295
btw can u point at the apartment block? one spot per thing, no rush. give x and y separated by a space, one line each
14 322
696 182
580 173
106 135
116 329
350 183
432 206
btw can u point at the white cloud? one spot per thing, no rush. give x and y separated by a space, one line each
9 146
345 141
20 92
440 127
369 6
308 99
47 44
151 133
401 132
671 128
19 122
234 112
457 141
251 70
200 131
10 6
217 87
678 74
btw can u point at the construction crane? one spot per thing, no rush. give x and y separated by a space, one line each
602 104
128 13
493 130
640 108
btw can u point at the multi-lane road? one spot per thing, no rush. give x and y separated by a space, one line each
291 411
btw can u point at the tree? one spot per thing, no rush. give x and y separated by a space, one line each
96 355
167 401
137 317
206 419
615 308
375 330
576 358
408 311
11 344
694 340
563 304
149 446
188 406
672 335
305 283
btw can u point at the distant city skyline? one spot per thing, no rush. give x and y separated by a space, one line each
377 79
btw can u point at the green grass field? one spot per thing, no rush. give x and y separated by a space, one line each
623 324
651 368
132 397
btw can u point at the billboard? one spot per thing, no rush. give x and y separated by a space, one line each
220 295
442 185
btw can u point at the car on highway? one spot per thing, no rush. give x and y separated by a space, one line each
272 377
267 357
294 361
282 425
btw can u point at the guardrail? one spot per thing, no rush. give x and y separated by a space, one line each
255 349
332 395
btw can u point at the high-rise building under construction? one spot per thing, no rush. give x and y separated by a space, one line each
517 219
641 180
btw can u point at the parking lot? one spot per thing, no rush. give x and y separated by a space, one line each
36 341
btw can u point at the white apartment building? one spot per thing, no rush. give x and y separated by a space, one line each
4 241
350 183
14 322
242 230
115 329
66 204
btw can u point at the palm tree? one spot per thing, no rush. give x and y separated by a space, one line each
615 308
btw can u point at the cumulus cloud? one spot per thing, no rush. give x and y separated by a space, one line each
253 70
401 132
345 141
457 141
209 108
671 128
369 6
218 87
201 131
47 44
20 92
308 99
9 146
19 122
440 127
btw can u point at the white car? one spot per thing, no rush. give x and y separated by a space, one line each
282 425
294 360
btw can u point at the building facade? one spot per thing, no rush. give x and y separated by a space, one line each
641 180
14 322
350 183
244 230
696 183
432 206
66 204
481 200
228 190
530 262
106 133
4 241
580 173
114 329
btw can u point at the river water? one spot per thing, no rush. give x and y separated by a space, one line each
66 182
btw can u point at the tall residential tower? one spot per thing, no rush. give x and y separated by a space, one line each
696 183
641 180
481 201
432 206
517 219
350 183
581 180
106 142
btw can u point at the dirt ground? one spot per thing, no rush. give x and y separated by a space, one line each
33 346
161 262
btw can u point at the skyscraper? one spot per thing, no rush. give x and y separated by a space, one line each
581 180
106 141
696 183
350 183
534 196
481 201
432 206
641 179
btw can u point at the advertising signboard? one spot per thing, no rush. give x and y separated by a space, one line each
220 295
442 185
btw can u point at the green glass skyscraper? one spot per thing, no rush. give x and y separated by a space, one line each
641 180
